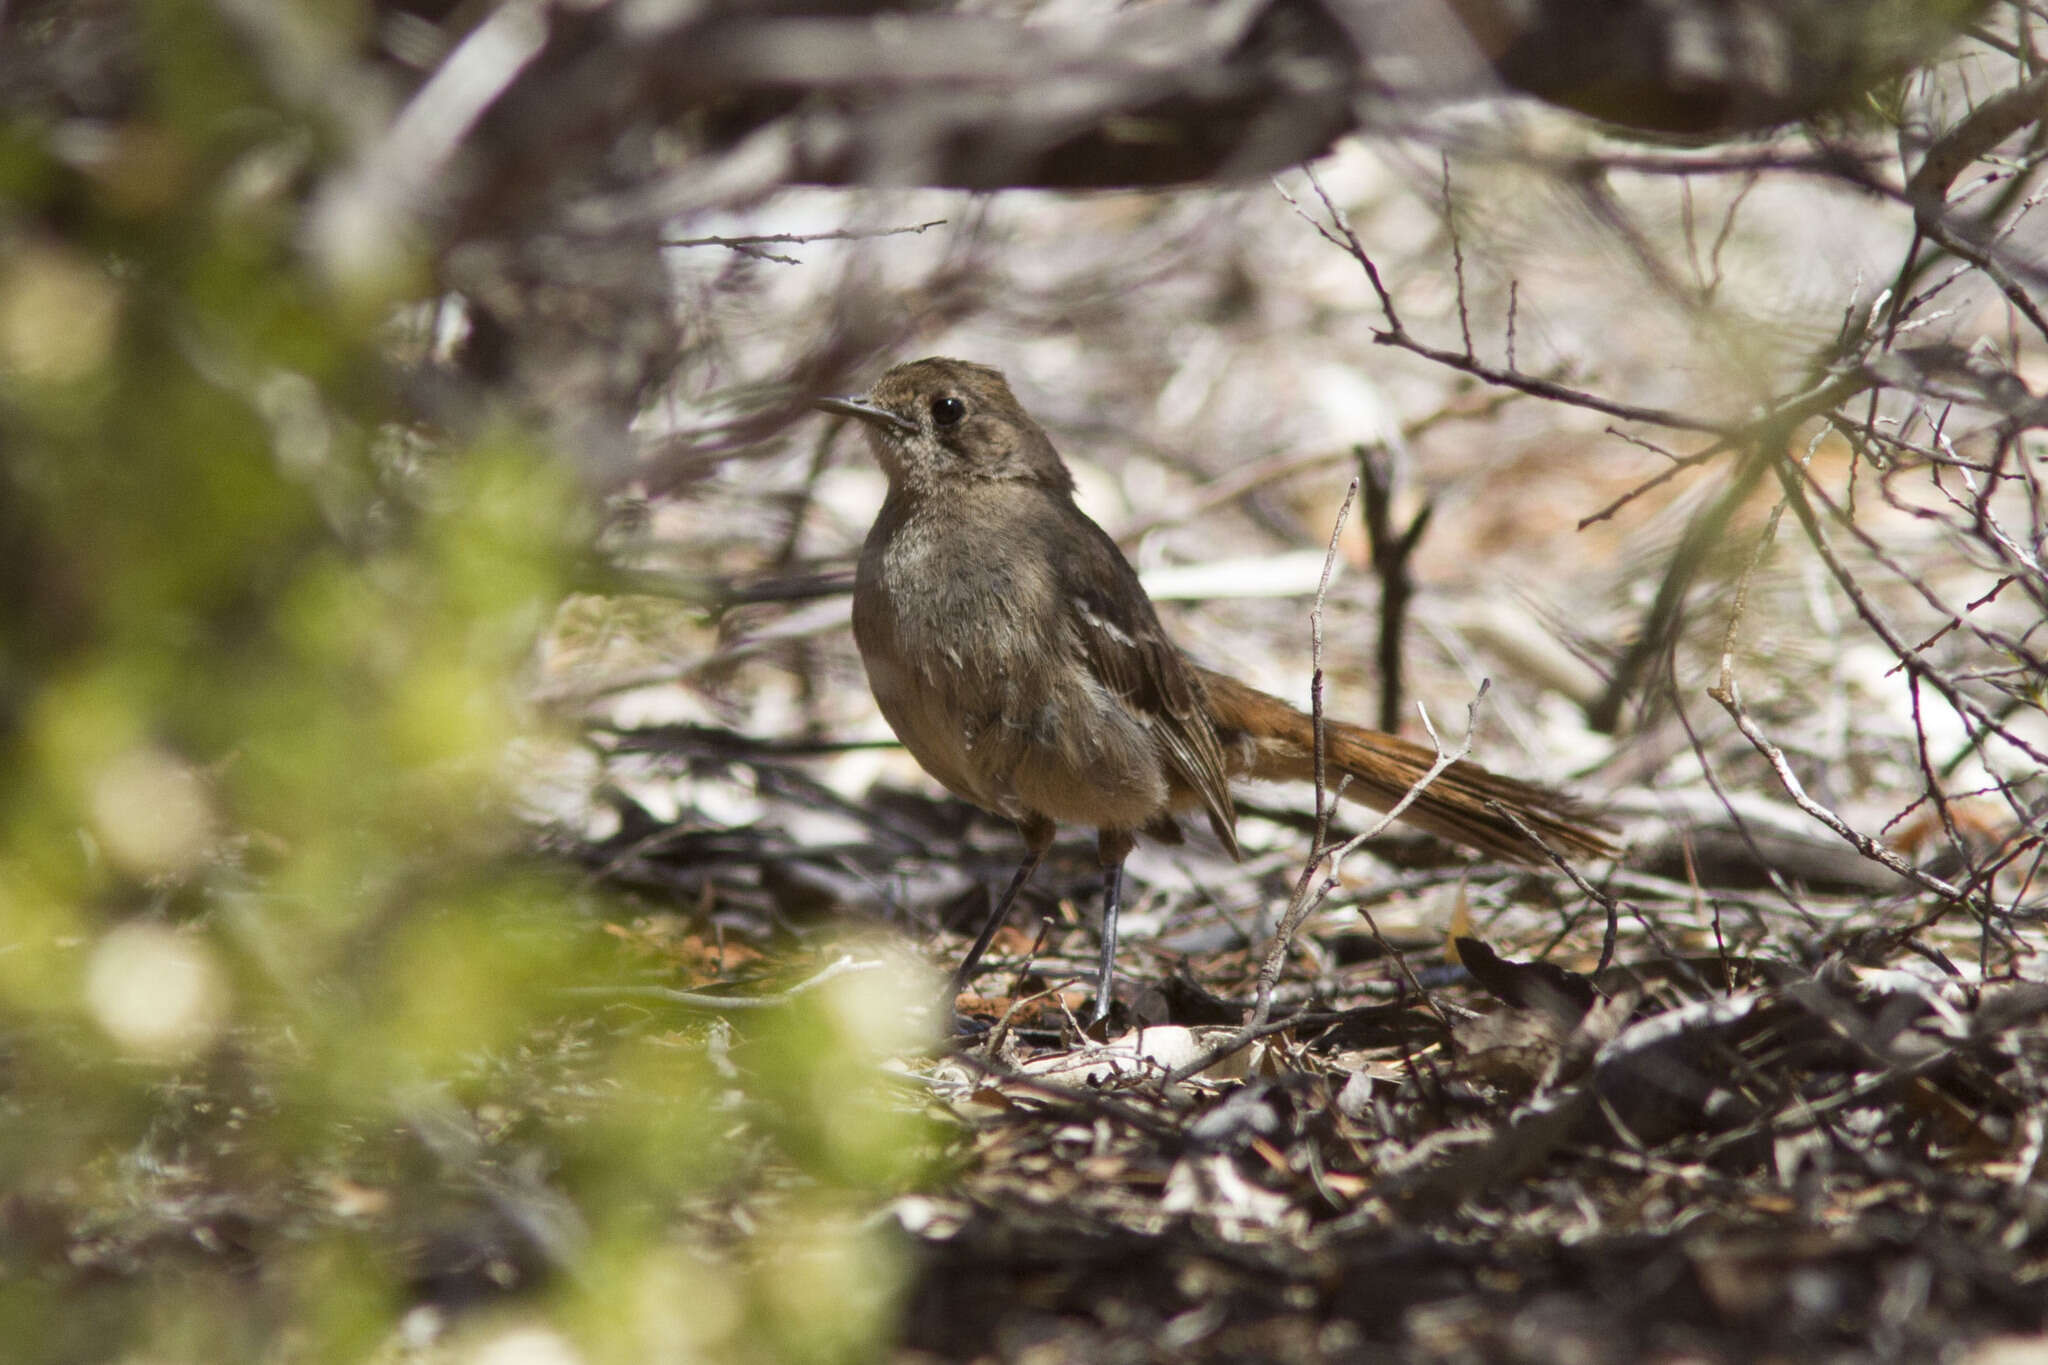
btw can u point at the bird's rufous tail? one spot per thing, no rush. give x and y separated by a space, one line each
1266 738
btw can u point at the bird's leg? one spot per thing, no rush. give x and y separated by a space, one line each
1038 833
1112 846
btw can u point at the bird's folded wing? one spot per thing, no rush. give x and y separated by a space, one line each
1134 661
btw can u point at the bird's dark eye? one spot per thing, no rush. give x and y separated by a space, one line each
947 411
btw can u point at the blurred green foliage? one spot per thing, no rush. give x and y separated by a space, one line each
265 921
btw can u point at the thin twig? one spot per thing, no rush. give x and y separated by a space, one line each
1728 693
745 244
1828 392
1315 647
1679 464
1457 257
1514 306
1299 904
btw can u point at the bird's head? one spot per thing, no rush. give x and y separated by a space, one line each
934 422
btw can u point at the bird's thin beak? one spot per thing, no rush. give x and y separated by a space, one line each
866 412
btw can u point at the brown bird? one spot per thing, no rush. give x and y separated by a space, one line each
1012 649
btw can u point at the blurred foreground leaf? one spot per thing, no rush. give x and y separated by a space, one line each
286 1057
